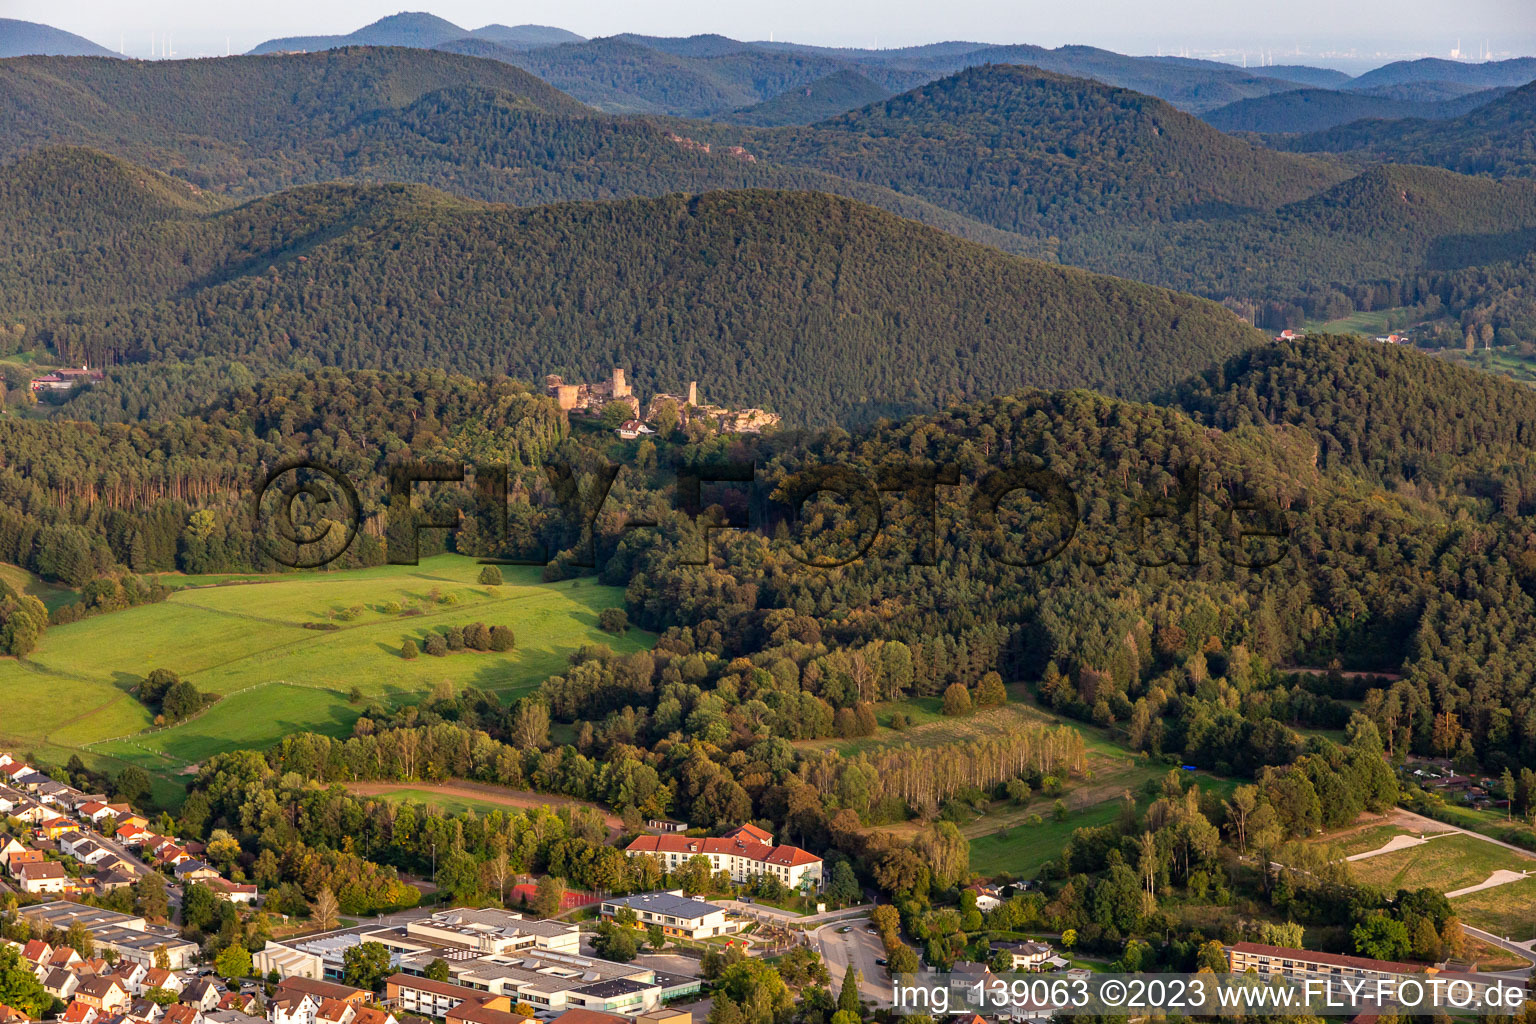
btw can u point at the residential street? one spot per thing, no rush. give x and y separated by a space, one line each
858 948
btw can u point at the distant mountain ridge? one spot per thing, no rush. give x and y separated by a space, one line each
824 98
1483 75
420 30
28 38
1313 110
1498 137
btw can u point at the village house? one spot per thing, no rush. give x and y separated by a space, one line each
335 1011
194 871
182 1013
201 993
631 429
55 827
61 983
106 994
42 877
1029 956
292 1008
79 1013
8 847
239 1002
159 978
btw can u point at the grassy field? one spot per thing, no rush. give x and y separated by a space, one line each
447 803
51 594
1370 323
1444 864
1507 910
283 654
1372 837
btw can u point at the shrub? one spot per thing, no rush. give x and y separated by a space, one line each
490 576
502 638
477 636
455 638
957 700
408 650
436 645
613 620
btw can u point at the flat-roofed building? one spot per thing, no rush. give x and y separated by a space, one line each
675 913
287 961
487 931
132 938
1305 964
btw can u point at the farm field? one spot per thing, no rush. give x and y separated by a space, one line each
284 654
1445 864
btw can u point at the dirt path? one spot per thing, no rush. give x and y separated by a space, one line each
1394 844
1500 877
486 793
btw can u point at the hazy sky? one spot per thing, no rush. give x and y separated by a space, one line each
1388 27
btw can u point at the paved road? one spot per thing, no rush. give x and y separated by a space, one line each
857 948
1518 948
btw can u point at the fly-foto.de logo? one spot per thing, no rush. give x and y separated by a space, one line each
309 513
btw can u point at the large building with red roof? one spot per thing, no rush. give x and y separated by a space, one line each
743 853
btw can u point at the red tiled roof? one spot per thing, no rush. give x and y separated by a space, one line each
790 856
589 1017
752 832
320 989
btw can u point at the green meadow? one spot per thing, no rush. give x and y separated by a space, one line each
284 653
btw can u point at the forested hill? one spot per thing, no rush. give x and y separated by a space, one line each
1386 237
813 305
1036 152
1497 138
622 76
835 94
193 112
473 127
49 197
1384 409
18 38
1315 110
1483 75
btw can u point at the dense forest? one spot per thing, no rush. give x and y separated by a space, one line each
827 97
815 306
1495 138
1402 552
1025 160
1315 110
1041 153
